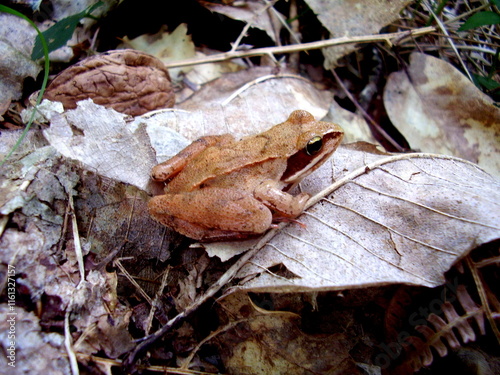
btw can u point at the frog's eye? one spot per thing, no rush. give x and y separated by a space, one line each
314 145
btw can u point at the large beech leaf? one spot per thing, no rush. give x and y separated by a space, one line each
250 101
391 219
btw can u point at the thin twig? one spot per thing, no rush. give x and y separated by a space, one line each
388 38
76 240
118 264
155 303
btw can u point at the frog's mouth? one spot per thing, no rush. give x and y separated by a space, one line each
301 164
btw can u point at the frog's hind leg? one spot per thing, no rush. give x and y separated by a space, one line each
212 214
203 234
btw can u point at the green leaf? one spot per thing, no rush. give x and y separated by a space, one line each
59 34
485 82
495 2
480 19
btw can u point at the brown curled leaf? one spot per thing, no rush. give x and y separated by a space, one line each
128 81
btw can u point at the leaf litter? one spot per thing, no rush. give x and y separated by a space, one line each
384 219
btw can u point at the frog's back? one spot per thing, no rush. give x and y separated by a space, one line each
217 163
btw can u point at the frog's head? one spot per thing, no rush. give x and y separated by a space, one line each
315 143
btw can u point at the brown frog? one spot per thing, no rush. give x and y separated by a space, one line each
219 188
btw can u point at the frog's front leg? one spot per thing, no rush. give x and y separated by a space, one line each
285 204
172 166
212 213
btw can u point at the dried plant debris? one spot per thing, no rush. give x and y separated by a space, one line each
441 334
448 319
16 41
266 341
40 257
128 81
255 14
105 142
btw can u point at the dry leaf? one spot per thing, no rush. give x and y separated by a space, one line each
353 18
167 47
271 342
45 264
249 102
16 41
14 184
103 141
355 126
439 110
98 307
254 13
128 81
393 219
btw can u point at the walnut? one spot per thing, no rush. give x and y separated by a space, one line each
128 81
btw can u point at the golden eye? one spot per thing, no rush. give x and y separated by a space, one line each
314 145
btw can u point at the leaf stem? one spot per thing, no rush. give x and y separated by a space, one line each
391 38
